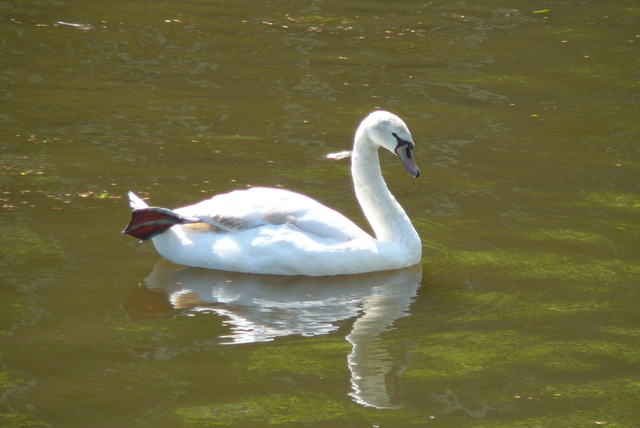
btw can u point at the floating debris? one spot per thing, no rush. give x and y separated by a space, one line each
83 27
339 155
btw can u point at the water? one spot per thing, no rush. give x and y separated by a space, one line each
523 313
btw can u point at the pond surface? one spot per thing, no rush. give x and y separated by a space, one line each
524 311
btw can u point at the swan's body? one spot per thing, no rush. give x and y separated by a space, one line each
275 231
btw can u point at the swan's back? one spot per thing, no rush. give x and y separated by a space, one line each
243 210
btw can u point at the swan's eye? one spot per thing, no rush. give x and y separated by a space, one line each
402 143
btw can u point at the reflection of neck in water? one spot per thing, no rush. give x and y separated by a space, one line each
260 308
375 375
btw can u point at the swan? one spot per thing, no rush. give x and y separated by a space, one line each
279 232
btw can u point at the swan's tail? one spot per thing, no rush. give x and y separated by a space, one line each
147 222
136 201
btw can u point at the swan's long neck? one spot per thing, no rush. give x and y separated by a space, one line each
387 218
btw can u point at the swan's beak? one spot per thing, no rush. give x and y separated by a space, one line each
404 153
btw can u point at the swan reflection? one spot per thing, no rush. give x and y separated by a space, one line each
260 308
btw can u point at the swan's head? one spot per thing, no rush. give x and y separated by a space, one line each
389 131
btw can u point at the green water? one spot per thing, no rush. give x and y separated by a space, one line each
524 312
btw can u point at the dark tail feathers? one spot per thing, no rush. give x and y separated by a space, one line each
149 222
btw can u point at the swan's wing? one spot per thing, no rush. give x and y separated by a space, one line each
248 209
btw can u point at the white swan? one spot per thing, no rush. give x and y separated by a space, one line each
275 231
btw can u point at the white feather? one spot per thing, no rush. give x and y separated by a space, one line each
136 202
